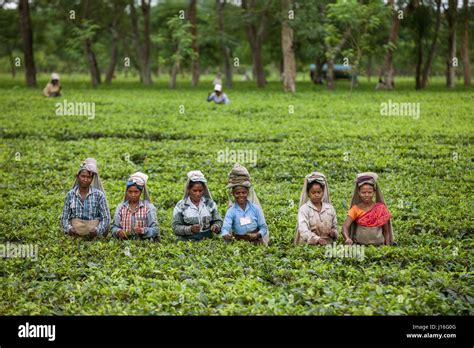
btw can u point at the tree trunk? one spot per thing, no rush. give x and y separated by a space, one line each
113 58
91 58
255 37
93 66
27 36
466 64
451 19
225 50
174 73
142 48
119 9
195 61
289 66
434 44
259 73
419 61
330 74
12 64
318 78
388 69
332 52
145 55
369 68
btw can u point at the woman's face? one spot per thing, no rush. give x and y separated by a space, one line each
240 194
316 194
84 178
196 192
366 193
133 194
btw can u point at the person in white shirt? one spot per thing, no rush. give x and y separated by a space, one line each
218 96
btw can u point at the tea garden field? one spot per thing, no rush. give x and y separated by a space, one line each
425 167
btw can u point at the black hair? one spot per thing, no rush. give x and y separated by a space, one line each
140 188
79 173
366 183
239 186
192 183
311 184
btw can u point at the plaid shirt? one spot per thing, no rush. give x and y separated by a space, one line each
93 207
144 216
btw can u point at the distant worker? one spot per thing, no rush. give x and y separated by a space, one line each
218 96
53 87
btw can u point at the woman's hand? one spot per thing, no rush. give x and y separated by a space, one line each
72 231
322 241
228 236
139 230
313 240
349 241
195 228
122 234
215 228
254 235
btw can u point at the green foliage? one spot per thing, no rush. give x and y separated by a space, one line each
428 191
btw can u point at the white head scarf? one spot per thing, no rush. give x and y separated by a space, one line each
196 176
140 179
320 178
54 76
90 164
313 177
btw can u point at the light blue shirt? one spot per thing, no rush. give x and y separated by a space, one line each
232 220
221 99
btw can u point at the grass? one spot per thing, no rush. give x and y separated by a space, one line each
424 164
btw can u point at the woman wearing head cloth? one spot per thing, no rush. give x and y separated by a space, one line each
85 209
53 87
317 223
196 217
135 218
244 218
368 222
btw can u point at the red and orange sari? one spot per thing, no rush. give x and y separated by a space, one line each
375 217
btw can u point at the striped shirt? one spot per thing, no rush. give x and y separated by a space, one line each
144 216
93 207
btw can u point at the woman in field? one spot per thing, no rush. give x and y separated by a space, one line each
135 218
85 211
317 222
244 219
53 87
368 222
196 217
